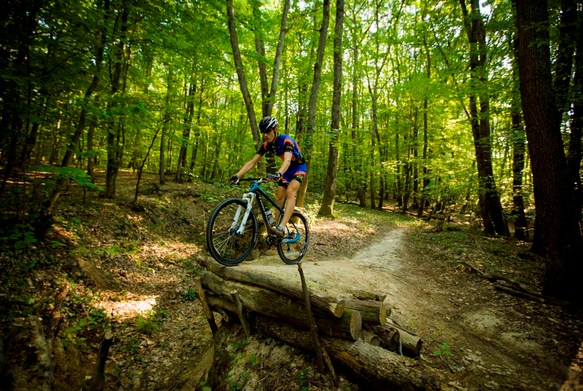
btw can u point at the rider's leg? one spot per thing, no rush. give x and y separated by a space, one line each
290 199
280 199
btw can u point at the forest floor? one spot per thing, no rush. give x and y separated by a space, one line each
132 268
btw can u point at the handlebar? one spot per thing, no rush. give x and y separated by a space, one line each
255 180
258 180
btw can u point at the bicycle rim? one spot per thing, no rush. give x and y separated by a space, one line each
223 243
293 248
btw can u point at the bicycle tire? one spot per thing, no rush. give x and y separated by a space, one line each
292 249
224 245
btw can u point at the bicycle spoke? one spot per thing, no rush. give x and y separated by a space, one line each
224 244
293 248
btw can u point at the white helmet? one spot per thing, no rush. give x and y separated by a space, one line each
267 123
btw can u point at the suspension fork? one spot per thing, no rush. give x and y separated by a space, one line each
240 225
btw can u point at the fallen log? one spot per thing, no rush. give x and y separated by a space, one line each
409 343
335 306
366 295
373 312
268 303
370 338
377 367
389 337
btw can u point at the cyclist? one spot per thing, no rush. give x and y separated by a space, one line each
291 173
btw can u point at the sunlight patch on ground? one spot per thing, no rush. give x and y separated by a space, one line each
133 306
344 227
169 250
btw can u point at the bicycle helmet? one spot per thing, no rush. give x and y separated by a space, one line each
267 123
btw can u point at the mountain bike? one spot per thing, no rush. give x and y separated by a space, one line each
232 229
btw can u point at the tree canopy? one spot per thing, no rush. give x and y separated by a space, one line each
433 112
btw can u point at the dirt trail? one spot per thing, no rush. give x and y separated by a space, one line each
488 340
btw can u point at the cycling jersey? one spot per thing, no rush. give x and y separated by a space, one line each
282 144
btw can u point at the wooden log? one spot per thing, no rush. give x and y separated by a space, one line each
389 337
373 312
269 303
334 306
409 343
221 305
370 338
349 326
379 368
366 295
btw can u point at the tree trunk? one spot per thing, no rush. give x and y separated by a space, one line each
113 128
76 136
574 155
553 190
165 126
241 72
490 206
306 139
327 207
181 164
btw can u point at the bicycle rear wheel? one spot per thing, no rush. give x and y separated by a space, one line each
223 242
293 247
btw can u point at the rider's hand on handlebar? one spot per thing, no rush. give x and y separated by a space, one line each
234 179
273 177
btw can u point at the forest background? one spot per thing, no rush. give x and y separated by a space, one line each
443 107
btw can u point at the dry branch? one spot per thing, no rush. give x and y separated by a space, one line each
99 378
205 306
514 288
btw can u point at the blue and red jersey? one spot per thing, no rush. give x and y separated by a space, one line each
282 144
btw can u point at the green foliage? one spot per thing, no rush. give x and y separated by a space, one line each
203 385
67 173
130 345
443 350
301 377
189 295
150 323
22 236
78 331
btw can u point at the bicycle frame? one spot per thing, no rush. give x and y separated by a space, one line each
256 192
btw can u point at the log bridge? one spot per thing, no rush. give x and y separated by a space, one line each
356 333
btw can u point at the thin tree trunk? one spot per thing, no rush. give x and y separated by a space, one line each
306 139
113 131
490 205
518 155
241 72
181 164
327 207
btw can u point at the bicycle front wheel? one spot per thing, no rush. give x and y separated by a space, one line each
293 247
223 241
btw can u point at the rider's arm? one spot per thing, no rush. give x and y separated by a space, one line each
287 157
249 165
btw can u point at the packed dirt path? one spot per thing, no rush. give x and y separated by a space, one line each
483 339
